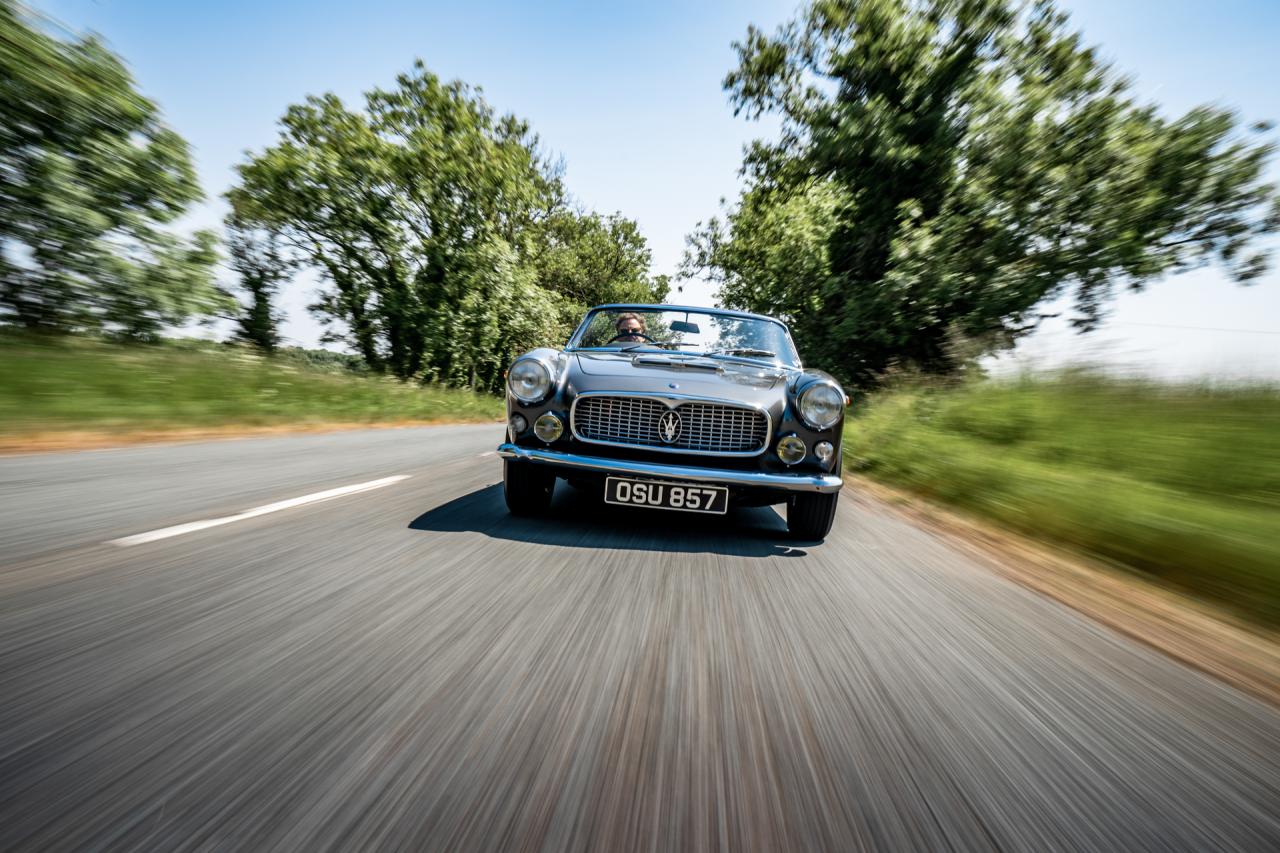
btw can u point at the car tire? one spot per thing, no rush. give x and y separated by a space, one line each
528 488
810 515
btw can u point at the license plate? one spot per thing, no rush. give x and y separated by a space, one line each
687 497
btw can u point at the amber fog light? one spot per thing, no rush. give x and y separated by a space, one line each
824 450
518 424
791 449
548 428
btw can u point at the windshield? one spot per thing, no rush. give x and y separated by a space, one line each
689 332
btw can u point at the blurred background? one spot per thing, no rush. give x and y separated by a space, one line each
1034 240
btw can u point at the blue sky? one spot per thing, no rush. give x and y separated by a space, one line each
630 96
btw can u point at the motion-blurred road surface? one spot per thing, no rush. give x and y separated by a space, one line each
405 666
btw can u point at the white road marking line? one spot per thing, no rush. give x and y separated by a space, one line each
489 453
191 527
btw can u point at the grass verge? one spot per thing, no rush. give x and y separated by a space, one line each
83 386
1179 482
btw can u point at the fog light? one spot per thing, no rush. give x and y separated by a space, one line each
791 449
824 450
548 428
518 424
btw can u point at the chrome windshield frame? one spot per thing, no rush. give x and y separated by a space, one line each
776 361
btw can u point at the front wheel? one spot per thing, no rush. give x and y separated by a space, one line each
527 487
810 514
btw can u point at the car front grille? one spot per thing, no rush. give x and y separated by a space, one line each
704 427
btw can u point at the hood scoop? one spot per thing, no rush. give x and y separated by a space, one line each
655 360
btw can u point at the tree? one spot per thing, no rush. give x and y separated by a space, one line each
415 206
593 259
947 166
262 266
90 178
382 203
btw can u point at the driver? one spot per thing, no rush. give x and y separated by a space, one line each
630 328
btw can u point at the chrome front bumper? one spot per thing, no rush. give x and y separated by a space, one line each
788 482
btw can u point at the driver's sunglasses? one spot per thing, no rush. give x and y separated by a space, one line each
630 330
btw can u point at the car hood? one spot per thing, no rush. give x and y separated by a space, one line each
657 372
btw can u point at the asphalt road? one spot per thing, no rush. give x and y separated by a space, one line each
408 667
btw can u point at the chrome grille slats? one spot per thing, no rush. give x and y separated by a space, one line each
706 427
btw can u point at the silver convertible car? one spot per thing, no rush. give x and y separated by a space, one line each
675 408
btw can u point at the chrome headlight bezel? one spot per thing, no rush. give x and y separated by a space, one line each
543 388
834 402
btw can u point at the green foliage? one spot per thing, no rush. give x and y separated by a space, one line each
442 228
1182 482
51 385
89 178
774 255
262 266
947 166
592 259
321 359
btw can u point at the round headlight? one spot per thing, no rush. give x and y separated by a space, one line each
821 405
824 450
529 380
791 449
548 428
518 424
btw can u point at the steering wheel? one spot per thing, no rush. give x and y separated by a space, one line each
628 335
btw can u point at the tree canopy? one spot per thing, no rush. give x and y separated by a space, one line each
945 167
90 182
442 228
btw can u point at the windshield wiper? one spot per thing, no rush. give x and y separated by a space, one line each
763 353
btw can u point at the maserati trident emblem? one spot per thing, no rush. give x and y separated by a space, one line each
669 427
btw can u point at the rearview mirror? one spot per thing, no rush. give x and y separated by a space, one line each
682 326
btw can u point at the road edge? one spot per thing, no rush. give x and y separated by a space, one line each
1210 639
59 441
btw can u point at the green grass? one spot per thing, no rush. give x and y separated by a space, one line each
78 384
1180 482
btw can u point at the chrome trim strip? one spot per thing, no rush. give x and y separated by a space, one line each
671 401
826 483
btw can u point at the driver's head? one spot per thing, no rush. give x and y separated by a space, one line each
630 327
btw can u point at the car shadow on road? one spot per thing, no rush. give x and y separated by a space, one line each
579 519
